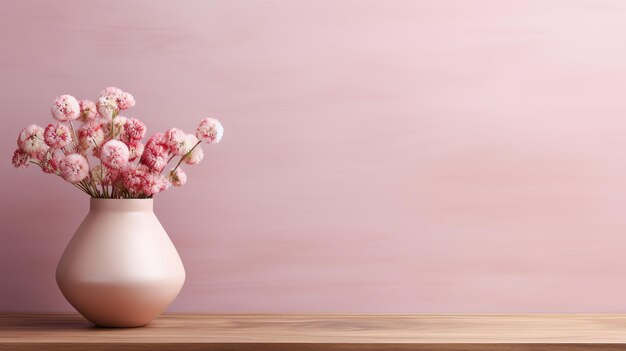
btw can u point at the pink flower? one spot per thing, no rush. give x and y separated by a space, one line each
155 157
155 183
104 175
133 178
156 153
157 138
180 143
74 168
195 156
65 108
136 150
97 174
175 140
210 131
134 131
114 154
50 162
117 123
90 135
139 180
107 107
123 99
177 177
31 141
126 101
190 141
88 111
20 159
57 135
111 91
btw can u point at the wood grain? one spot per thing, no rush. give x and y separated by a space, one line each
320 332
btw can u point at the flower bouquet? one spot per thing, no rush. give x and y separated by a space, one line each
104 156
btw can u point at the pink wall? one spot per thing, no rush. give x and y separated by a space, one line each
379 156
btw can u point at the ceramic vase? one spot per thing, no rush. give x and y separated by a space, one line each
120 269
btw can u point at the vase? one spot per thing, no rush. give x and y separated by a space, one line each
120 269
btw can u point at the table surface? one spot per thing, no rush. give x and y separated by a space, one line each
321 332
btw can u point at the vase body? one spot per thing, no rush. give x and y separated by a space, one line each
120 269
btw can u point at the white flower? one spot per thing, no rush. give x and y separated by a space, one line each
177 177
107 106
195 156
210 131
31 140
65 108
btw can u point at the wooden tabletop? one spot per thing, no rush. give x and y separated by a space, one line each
321 332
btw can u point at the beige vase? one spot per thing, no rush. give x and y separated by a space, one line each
120 269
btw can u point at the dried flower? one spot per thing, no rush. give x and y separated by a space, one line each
195 156
57 135
114 154
117 123
88 111
31 141
136 150
107 107
155 183
122 99
74 168
103 175
50 162
177 177
139 180
210 131
133 178
65 108
20 159
176 142
90 135
134 131
156 153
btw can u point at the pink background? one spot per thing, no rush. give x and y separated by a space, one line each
379 156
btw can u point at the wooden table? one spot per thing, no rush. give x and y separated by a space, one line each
321 332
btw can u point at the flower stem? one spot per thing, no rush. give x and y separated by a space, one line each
111 133
185 155
74 135
57 173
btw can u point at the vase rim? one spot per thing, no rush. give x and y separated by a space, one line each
106 199
125 205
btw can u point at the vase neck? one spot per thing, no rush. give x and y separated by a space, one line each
121 205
